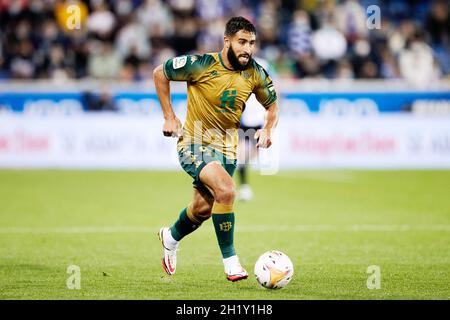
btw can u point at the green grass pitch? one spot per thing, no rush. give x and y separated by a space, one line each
332 224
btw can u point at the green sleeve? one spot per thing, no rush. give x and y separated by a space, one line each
186 68
264 89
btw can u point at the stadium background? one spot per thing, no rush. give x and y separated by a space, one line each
351 97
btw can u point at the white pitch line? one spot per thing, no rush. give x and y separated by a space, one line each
345 228
239 228
338 178
69 230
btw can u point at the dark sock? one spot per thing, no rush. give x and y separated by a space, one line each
183 226
243 174
224 226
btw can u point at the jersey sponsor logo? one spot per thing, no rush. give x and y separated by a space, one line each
179 62
193 59
214 74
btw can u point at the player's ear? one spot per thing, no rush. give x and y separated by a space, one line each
226 41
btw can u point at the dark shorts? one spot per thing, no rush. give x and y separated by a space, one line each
195 157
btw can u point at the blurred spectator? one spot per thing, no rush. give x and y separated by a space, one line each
123 9
101 21
329 43
329 46
22 65
156 18
438 23
416 62
210 10
182 7
364 63
388 65
368 70
4 74
350 19
398 39
322 11
104 62
211 37
299 33
267 22
307 66
184 39
133 37
78 53
344 70
55 66
438 27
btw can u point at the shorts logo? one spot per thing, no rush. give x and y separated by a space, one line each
225 226
179 62
197 164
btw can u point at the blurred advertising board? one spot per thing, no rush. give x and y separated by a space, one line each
111 141
357 125
327 103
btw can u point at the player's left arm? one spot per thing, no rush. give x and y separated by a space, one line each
266 95
264 135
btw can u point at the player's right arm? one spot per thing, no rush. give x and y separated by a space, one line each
172 125
183 68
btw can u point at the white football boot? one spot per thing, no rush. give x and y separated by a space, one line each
245 193
170 247
233 269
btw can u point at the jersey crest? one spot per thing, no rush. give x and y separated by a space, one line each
179 62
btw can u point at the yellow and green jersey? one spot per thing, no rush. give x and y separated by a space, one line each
216 98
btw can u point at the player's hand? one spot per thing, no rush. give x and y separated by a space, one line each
173 128
263 136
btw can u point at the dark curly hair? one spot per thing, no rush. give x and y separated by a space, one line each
236 24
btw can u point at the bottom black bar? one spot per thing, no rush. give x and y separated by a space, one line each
224 309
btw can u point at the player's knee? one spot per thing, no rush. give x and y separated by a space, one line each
204 215
225 194
202 211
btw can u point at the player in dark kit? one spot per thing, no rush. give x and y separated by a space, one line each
218 86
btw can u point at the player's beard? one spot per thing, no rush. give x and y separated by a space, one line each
234 60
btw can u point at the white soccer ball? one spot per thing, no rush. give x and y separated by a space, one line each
274 270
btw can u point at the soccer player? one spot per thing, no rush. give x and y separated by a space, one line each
218 85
